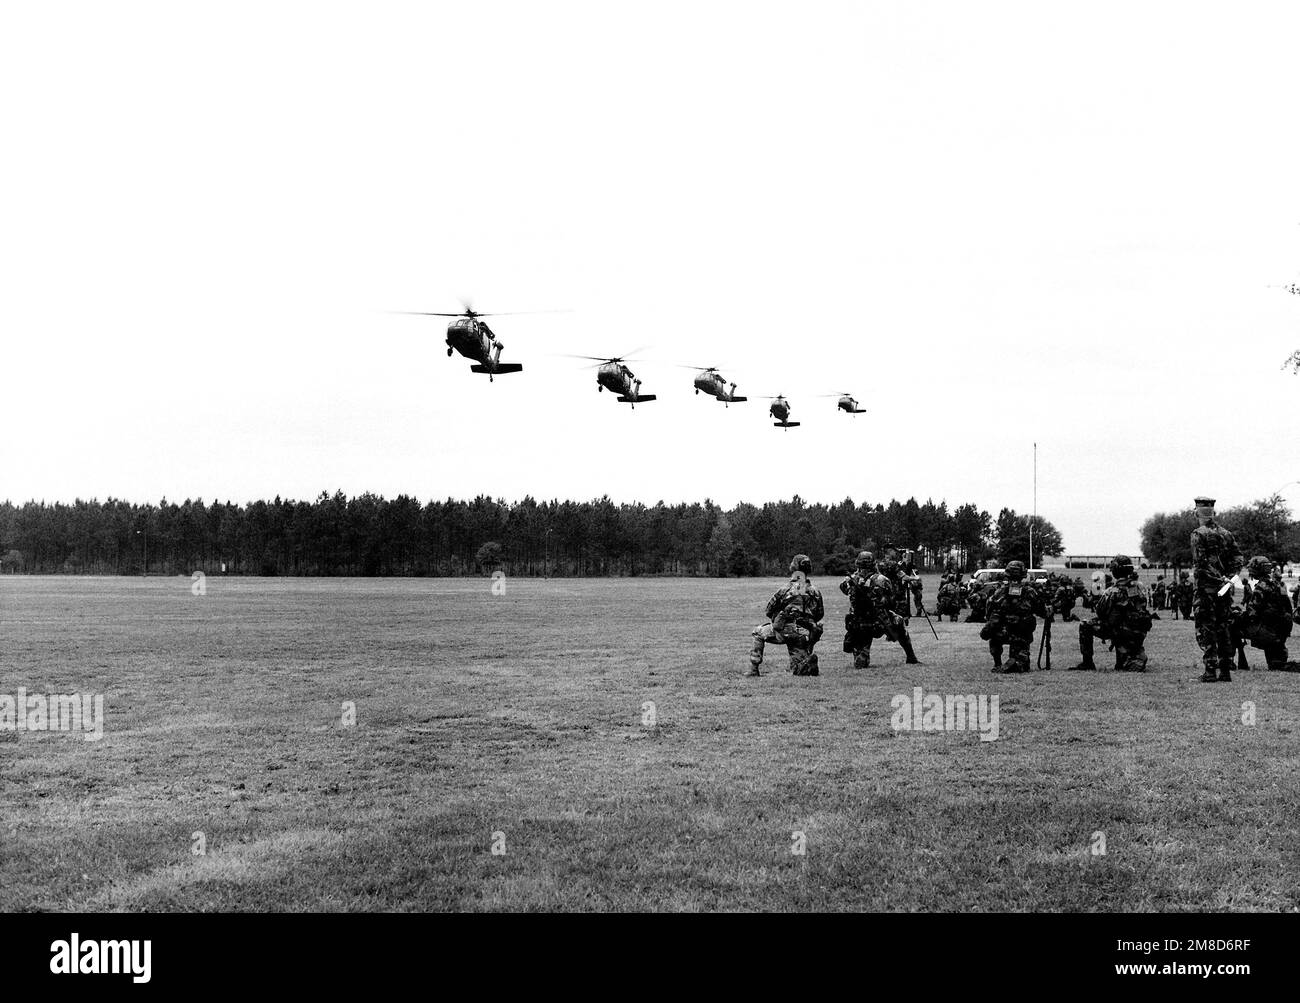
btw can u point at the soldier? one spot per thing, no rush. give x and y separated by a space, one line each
794 619
1159 592
1266 619
948 600
1011 611
1120 615
1182 595
1216 559
873 601
912 585
1064 600
977 600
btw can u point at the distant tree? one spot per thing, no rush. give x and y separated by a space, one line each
1167 538
11 561
1013 537
720 547
489 555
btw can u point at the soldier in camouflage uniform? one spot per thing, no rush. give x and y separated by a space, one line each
1063 602
794 616
1267 617
912 585
873 601
1120 615
1012 609
1216 559
948 600
1159 592
1181 596
977 600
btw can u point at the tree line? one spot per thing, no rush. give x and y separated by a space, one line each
1264 527
368 535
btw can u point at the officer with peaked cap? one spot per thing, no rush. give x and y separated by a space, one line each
1215 560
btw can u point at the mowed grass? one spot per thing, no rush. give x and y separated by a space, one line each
522 715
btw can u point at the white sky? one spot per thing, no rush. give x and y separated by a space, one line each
994 223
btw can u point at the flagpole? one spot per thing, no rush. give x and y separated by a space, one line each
1034 520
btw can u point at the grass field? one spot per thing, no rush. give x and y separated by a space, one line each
525 715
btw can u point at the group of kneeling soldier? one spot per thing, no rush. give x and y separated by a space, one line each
1120 614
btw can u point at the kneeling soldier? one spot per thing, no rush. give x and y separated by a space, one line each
1011 611
1120 615
794 619
1266 620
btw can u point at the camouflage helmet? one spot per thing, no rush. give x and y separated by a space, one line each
865 559
1260 568
1016 570
1183 575
801 562
1121 566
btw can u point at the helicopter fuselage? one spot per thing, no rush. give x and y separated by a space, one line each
848 404
617 378
473 339
713 384
780 410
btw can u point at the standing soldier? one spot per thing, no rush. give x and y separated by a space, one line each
873 600
977 600
1011 619
912 585
1216 559
1266 619
794 619
1158 594
1121 616
1181 596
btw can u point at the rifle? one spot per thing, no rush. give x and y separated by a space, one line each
927 620
1046 642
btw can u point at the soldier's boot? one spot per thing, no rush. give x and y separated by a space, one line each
755 656
862 658
906 642
995 650
1085 649
1225 671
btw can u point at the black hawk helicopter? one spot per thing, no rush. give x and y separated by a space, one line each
846 403
780 410
472 337
714 384
613 375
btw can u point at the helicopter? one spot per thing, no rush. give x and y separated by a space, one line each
613 375
472 337
846 403
780 410
714 384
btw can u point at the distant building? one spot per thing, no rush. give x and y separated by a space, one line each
1080 561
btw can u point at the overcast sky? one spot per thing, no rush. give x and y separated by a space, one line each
994 223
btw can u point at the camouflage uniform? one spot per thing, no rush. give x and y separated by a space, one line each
873 601
948 601
1216 559
794 619
1181 596
913 588
1064 600
1120 615
1011 619
977 600
1267 617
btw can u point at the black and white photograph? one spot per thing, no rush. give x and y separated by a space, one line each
590 458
